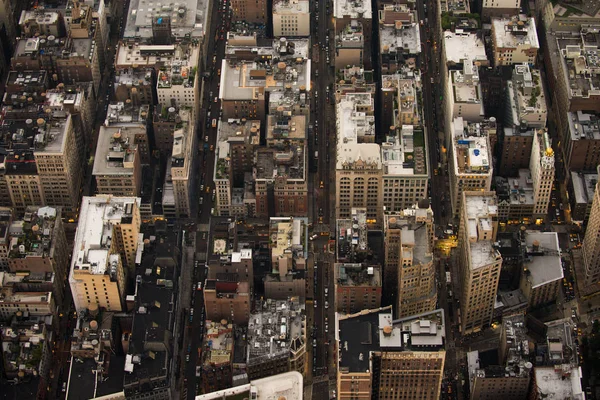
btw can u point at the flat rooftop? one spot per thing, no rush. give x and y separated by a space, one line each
470 148
352 236
480 212
218 343
186 17
515 32
362 333
245 77
455 6
516 191
583 125
461 46
285 127
151 345
544 261
551 383
97 217
291 6
584 186
123 114
358 275
288 385
464 88
116 151
401 38
352 9
399 156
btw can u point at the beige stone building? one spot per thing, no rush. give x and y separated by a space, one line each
471 166
514 40
358 169
291 18
105 249
409 270
480 262
379 357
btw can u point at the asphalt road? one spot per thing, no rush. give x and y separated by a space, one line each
322 140
203 190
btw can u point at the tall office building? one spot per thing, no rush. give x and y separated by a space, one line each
542 172
382 358
470 160
409 269
480 262
358 166
591 242
106 245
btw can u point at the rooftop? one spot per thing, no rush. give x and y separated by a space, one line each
291 6
33 235
515 32
417 243
481 211
249 71
356 127
282 126
116 150
375 330
465 84
526 95
461 46
583 125
352 236
218 343
25 79
183 137
580 61
44 135
515 363
584 186
358 274
150 349
187 17
288 385
352 9
276 329
516 191
564 384
287 236
456 7
97 217
230 133
470 148
124 114
543 257
143 56
399 31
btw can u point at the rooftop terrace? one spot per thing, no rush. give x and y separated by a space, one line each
470 148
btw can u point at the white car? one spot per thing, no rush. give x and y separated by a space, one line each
326 304
315 304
